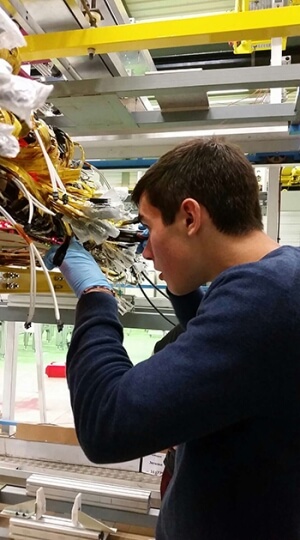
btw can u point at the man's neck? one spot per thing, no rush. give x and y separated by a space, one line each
227 251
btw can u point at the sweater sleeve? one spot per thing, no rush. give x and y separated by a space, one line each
217 373
186 306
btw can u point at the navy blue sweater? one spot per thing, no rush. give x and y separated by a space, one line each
227 392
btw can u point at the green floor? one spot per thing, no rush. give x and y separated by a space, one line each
139 344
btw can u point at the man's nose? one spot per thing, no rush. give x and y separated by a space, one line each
147 253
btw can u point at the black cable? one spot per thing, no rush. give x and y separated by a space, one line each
155 286
154 306
61 252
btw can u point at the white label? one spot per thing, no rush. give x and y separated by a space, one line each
153 464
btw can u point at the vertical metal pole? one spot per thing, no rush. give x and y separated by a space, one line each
10 370
40 371
2 334
276 60
125 179
273 201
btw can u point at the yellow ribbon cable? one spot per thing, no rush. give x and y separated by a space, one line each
13 58
7 117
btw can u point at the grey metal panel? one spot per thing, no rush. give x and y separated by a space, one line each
286 76
215 115
51 15
195 101
96 115
93 113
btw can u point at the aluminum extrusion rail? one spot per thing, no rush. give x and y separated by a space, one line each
93 493
49 528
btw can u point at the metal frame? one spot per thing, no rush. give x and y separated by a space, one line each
184 81
255 25
11 334
274 194
297 107
60 486
13 495
142 317
77 99
216 115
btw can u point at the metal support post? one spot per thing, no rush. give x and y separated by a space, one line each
273 202
11 333
40 372
10 370
276 60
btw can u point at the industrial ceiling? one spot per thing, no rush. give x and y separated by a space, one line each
138 81
142 10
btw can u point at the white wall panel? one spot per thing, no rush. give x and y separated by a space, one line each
290 218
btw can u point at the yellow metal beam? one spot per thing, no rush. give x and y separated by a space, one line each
17 280
255 25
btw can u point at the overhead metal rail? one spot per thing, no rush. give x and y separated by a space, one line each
255 25
142 316
287 76
264 113
91 99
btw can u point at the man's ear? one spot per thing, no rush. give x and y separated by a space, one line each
192 215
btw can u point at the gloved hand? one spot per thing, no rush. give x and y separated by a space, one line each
79 268
143 234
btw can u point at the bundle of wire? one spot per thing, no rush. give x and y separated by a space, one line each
46 197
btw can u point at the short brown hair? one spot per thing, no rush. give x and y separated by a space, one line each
214 173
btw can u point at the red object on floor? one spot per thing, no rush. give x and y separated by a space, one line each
56 370
165 480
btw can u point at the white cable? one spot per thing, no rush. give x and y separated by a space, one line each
40 259
32 297
8 217
28 197
31 197
48 161
54 176
39 205
59 181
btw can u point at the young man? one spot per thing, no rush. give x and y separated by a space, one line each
227 392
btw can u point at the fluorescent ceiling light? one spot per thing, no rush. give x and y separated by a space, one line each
227 92
224 131
173 17
191 133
